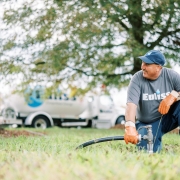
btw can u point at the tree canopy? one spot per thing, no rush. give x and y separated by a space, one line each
85 43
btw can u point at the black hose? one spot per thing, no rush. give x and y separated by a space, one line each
112 138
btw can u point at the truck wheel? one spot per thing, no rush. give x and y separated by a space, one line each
40 122
120 120
89 123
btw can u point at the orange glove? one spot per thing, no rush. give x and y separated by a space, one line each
131 134
167 102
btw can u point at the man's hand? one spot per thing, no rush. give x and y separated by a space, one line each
167 102
131 134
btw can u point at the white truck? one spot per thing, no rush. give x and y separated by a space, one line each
90 110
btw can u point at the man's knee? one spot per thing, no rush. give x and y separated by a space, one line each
176 109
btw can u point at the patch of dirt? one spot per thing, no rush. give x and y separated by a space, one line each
121 126
16 133
175 131
118 126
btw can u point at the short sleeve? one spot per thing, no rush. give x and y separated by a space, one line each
133 93
176 80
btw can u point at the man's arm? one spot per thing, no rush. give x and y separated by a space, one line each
166 103
131 134
130 114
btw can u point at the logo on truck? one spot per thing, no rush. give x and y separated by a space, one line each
34 102
34 97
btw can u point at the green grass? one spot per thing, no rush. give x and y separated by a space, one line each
54 157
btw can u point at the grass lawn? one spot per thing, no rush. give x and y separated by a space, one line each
53 157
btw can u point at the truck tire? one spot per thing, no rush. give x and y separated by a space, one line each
41 122
89 123
120 120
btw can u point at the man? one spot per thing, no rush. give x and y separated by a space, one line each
152 99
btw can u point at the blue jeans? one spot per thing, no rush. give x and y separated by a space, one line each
169 121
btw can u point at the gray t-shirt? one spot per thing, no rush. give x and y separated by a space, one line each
147 94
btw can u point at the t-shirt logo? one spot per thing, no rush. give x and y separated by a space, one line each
155 96
158 91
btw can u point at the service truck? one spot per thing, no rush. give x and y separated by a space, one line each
90 110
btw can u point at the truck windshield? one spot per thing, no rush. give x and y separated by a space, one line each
106 100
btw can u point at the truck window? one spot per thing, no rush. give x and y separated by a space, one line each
106 100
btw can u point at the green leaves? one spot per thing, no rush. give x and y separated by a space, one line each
92 42
9 45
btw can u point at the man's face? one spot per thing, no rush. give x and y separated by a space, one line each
150 71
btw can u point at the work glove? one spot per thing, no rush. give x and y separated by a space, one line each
131 134
167 102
